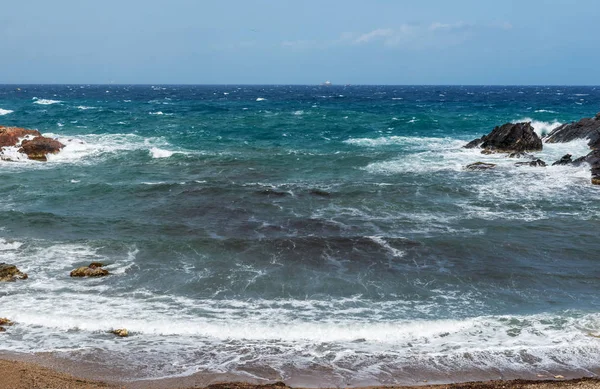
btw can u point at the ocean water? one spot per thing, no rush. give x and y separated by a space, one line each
286 231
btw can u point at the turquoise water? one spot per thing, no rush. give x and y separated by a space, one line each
270 231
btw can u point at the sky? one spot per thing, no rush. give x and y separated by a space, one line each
400 42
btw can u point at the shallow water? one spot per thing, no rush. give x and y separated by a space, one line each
270 231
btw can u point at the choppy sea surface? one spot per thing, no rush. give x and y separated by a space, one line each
279 231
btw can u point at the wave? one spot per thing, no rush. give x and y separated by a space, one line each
540 127
5 111
45 101
160 153
84 108
420 142
260 99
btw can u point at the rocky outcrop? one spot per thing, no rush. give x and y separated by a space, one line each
39 147
480 166
4 322
564 160
509 138
10 136
586 128
121 332
30 142
535 163
93 270
10 273
593 159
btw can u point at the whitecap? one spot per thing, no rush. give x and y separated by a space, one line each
160 153
260 99
298 113
45 101
540 127
156 113
83 107
545 110
5 111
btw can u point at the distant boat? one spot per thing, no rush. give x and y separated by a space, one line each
326 83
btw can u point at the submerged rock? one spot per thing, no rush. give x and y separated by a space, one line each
39 147
520 154
509 138
320 193
534 163
10 273
93 270
121 332
480 166
586 128
565 160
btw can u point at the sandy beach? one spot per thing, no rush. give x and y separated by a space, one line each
27 375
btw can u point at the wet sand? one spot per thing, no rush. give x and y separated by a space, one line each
27 375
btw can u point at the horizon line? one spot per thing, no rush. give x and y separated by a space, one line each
321 84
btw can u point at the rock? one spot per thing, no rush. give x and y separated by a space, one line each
5 322
10 273
320 193
273 192
10 136
586 128
520 154
2 329
121 332
509 138
39 147
534 163
93 270
480 166
565 160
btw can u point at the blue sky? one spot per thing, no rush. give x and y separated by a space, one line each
300 41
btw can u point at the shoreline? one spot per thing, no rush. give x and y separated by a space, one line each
24 371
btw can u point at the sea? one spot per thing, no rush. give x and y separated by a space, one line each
320 235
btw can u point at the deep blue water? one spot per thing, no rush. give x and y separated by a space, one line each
272 230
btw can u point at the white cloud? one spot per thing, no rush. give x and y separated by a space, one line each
375 34
408 36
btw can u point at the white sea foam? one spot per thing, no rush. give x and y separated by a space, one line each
260 99
545 110
298 113
45 101
160 153
156 113
85 108
5 111
541 128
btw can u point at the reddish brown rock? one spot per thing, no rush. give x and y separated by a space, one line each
93 270
39 147
9 136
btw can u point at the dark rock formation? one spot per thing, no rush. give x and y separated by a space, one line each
10 273
480 166
273 192
509 138
593 159
565 160
586 128
93 270
320 193
534 163
9 136
520 154
39 147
